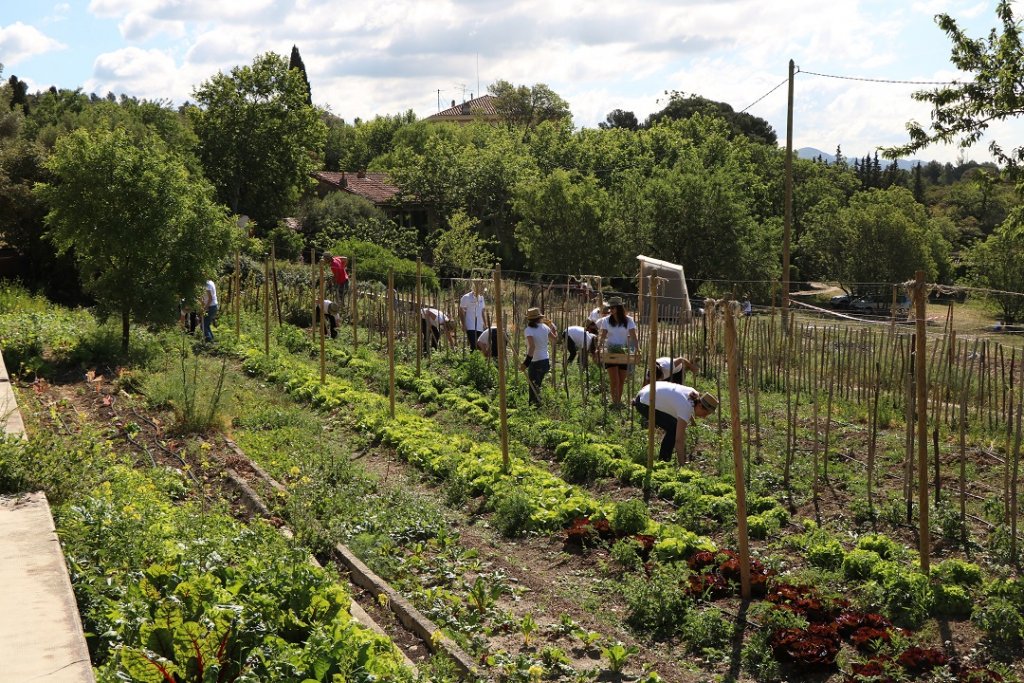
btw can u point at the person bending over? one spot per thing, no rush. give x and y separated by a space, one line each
579 338
673 369
487 342
676 406
432 322
333 317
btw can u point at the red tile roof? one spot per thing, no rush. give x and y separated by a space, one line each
372 186
480 106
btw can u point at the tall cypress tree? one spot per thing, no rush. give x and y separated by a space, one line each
918 183
296 63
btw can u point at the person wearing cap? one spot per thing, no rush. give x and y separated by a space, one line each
473 313
676 406
617 330
333 316
673 369
539 332
581 338
432 321
486 343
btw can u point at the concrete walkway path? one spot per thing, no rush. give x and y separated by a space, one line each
41 635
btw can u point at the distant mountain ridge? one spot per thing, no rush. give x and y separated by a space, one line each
814 153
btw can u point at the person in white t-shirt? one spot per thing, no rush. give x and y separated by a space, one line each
473 313
673 369
432 322
675 407
617 334
539 332
582 340
598 313
486 343
333 317
209 304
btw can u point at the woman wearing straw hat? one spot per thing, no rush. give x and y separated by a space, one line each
539 331
675 407
618 330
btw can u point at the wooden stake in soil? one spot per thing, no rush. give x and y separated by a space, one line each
419 313
273 273
355 301
652 363
323 328
391 341
874 440
922 422
499 339
737 453
238 295
266 307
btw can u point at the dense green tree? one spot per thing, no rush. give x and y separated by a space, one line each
963 111
295 62
563 228
459 249
526 106
259 140
144 230
997 263
617 118
683 106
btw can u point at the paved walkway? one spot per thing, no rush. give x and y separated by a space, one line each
41 637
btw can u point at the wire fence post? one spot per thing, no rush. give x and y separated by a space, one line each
499 339
737 451
391 341
652 364
323 328
419 312
266 307
922 420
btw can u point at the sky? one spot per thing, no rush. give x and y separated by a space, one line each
377 57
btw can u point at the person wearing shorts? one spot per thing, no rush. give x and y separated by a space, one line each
617 330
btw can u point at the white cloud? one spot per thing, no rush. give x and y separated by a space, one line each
150 74
20 41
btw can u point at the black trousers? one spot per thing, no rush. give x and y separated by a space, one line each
536 372
332 324
664 421
435 334
471 337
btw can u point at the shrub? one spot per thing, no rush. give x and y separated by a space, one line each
1001 621
372 263
630 517
512 512
827 555
860 564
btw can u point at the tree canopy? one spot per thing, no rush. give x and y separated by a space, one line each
144 231
525 106
259 139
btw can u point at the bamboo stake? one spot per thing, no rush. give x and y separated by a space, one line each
323 328
653 365
922 424
266 307
499 339
391 341
419 313
238 295
355 302
963 451
872 443
273 272
737 454
1013 480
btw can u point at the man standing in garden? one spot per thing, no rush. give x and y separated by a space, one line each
209 309
473 313
675 407
339 269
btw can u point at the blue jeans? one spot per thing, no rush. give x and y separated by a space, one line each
536 371
211 315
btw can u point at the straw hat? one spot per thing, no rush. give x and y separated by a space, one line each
533 314
709 402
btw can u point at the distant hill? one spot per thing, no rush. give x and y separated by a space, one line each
813 153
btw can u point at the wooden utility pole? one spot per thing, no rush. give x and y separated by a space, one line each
391 341
789 202
922 420
737 451
499 339
652 363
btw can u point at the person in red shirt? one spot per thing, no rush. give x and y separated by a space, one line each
339 269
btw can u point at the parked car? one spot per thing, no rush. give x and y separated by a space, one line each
841 301
880 305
